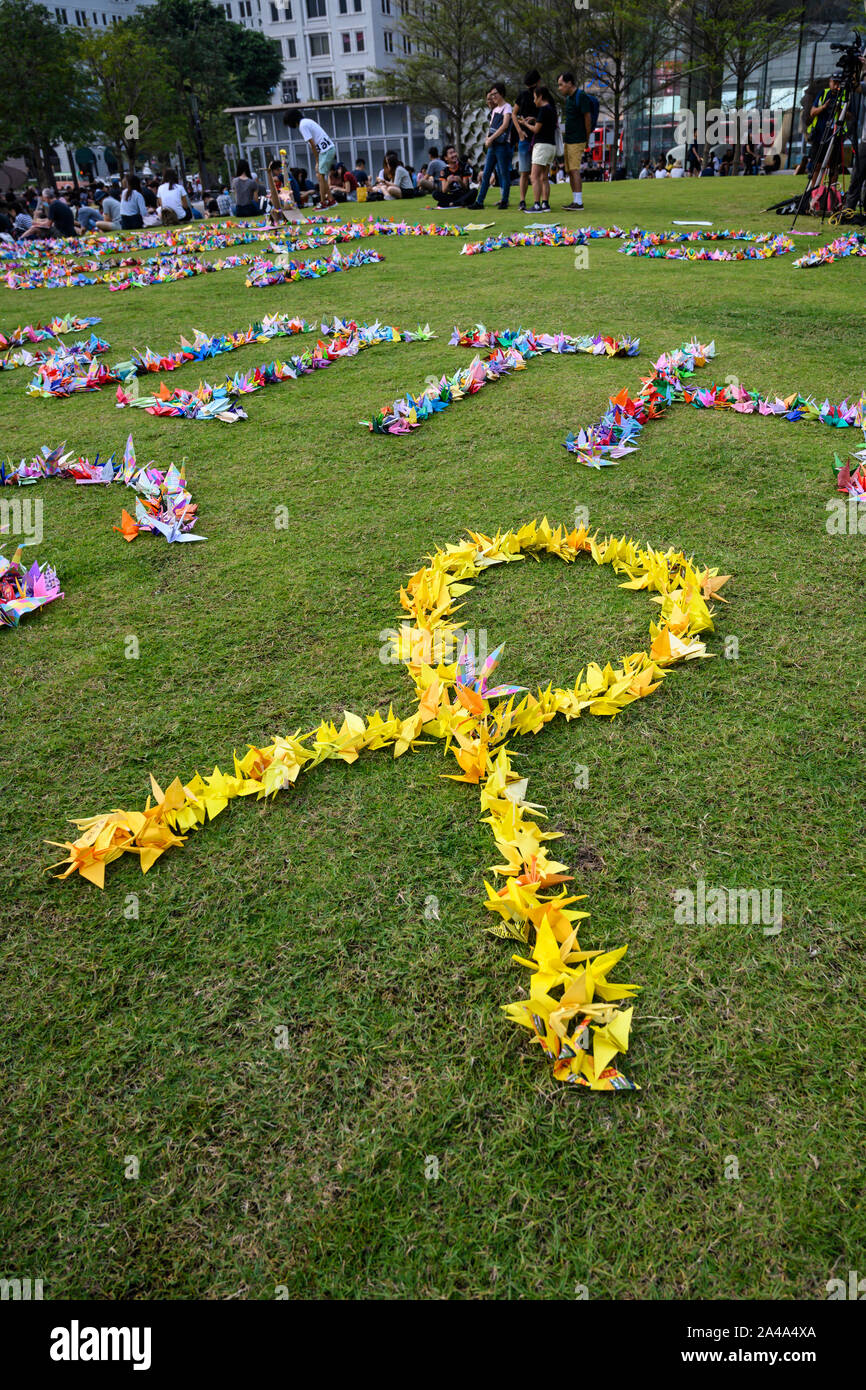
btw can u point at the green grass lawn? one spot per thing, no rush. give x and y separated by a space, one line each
305 1166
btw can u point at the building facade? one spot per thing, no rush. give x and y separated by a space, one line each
359 126
328 47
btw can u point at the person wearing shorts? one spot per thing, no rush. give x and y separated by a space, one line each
578 128
323 149
524 109
543 127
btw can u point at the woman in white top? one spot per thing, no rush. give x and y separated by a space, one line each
677 170
132 204
394 180
172 199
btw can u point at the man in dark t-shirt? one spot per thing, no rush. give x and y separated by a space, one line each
578 128
62 216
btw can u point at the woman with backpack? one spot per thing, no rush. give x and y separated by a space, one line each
173 202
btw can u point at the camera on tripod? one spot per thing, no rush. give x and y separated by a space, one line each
850 58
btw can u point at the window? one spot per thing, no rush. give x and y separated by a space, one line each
61 17
357 84
386 8
389 38
287 13
325 88
320 45
289 90
407 44
316 9
275 14
347 42
344 6
291 48
360 40
358 6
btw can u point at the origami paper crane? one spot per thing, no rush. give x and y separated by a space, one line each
511 350
23 591
572 1011
164 506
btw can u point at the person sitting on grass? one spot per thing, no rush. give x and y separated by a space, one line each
132 204
394 179
245 192
322 147
431 172
173 203
56 219
454 190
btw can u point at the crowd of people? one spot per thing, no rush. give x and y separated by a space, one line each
112 206
721 163
528 133
529 142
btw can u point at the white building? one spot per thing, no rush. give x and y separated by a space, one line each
328 46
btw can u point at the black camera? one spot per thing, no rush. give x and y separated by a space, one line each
850 56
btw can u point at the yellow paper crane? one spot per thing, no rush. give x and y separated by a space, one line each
572 1010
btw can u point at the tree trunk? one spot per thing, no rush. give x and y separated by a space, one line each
741 87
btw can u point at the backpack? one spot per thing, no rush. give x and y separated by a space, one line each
825 198
593 109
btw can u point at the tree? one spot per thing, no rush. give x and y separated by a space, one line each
550 35
447 62
212 63
624 37
132 91
41 102
730 36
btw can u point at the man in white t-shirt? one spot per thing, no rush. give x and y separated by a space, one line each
323 149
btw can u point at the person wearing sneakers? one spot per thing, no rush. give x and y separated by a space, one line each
578 128
543 128
524 108
322 147
497 145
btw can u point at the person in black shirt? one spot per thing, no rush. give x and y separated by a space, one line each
62 217
524 109
543 127
454 190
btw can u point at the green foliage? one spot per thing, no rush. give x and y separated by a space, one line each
221 63
41 101
134 104
448 62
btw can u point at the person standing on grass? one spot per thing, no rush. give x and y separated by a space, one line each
497 143
524 110
578 128
543 128
323 149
